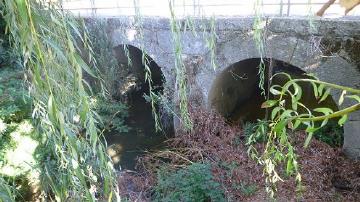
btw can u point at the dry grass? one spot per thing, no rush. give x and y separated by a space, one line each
326 174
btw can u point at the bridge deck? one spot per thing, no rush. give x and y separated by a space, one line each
111 8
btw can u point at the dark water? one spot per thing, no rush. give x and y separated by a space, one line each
141 137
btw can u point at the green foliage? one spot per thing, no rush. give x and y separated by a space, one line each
256 132
192 183
6 142
7 191
48 40
278 149
146 61
106 62
15 107
332 134
14 99
247 189
244 187
259 38
181 80
112 114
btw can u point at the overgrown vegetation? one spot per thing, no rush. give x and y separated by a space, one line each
239 176
209 160
77 167
17 140
192 183
112 112
279 148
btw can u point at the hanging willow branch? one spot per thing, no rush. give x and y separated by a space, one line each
181 81
76 168
145 61
258 35
279 148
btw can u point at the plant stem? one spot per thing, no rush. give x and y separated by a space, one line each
333 115
351 90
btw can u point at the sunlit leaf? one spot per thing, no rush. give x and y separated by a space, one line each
341 99
294 103
311 129
321 89
308 139
274 91
274 112
324 122
297 124
280 126
289 167
325 111
269 103
315 90
286 114
323 97
342 120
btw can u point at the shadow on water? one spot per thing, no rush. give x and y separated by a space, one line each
124 148
141 136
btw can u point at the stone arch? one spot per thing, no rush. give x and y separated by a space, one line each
235 92
131 60
149 43
142 135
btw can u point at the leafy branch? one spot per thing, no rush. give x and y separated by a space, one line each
289 113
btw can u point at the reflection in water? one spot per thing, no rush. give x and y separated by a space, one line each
126 147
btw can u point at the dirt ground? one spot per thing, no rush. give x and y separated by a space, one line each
327 175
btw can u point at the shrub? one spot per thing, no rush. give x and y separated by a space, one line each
112 114
332 134
192 183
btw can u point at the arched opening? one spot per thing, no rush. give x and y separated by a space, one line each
236 94
132 89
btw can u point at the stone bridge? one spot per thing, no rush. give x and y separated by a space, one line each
330 49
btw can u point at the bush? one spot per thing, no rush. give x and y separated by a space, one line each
332 134
192 183
112 114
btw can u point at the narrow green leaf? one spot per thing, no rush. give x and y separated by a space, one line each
280 126
324 122
51 108
269 103
294 103
315 90
343 120
274 91
286 114
289 167
311 129
341 99
323 97
308 139
297 124
324 110
298 91
83 65
321 89
274 112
